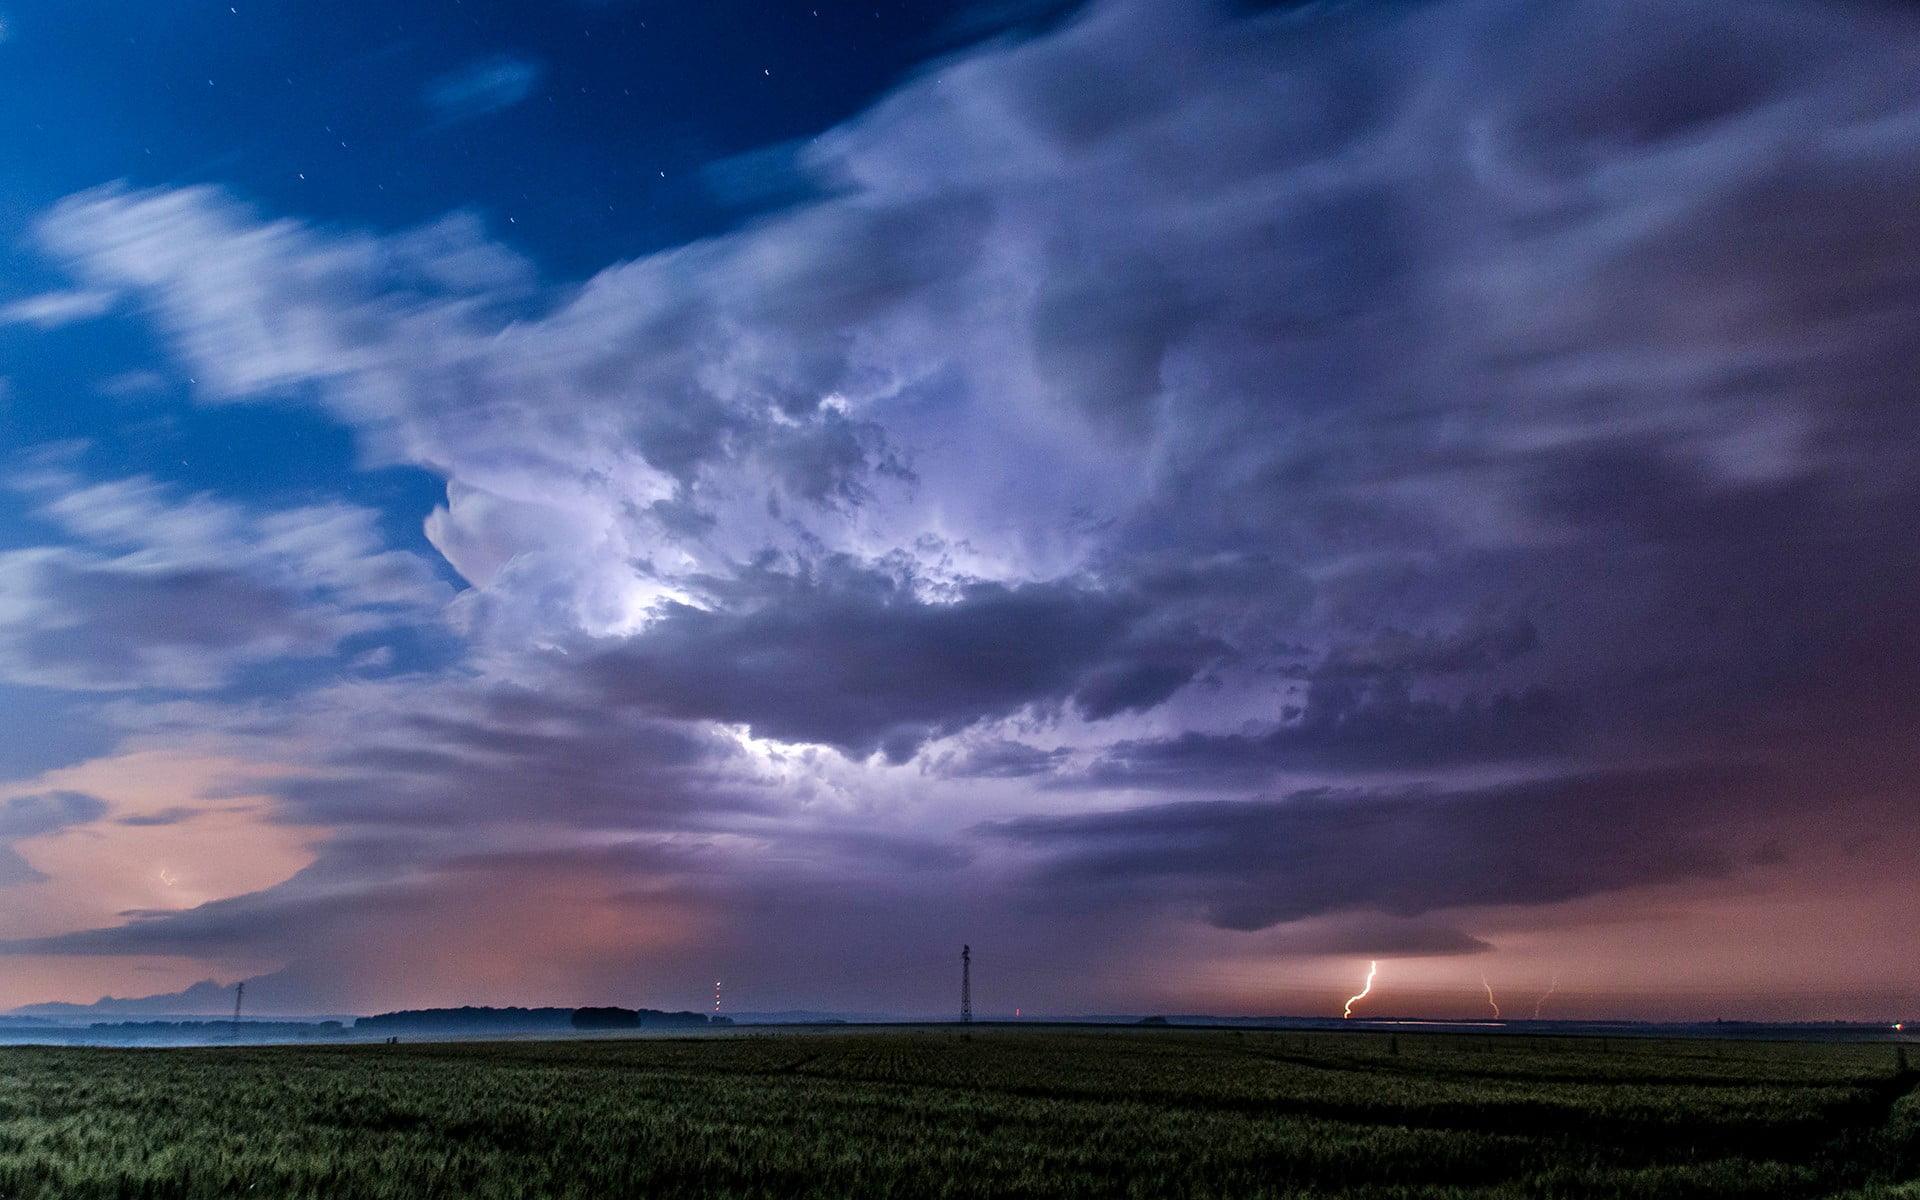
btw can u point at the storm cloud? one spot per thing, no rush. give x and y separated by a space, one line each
36 815
1467 443
864 664
1252 864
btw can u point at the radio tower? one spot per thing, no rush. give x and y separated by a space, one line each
966 985
239 994
716 997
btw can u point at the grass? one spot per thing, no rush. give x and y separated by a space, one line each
940 1112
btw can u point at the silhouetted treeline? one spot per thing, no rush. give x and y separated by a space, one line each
200 1031
467 1020
654 1018
637 1018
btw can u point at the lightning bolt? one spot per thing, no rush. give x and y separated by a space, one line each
1372 967
1495 1004
1553 985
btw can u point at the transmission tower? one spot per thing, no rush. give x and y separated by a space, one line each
239 994
966 985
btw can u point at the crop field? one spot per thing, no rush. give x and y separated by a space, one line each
985 1112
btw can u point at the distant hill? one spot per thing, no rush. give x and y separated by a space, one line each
204 999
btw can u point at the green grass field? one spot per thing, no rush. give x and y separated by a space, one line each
944 1113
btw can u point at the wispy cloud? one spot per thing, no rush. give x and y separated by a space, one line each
156 589
484 86
51 310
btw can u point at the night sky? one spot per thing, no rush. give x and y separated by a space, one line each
561 502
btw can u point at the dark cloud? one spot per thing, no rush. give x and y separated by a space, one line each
367 886
167 816
1359 711
270 922
480 755
14 869
1374 935
47 812
1251 864
37 814
997 758
854 658
1376 728
109 626
1479 646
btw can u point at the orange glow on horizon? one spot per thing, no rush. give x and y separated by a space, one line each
162 845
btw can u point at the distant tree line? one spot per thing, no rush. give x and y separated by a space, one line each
162 1032
424 1022
467 1020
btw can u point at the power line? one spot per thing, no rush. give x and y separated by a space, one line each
966 985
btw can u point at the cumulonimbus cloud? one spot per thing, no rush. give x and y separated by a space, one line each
1446 394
